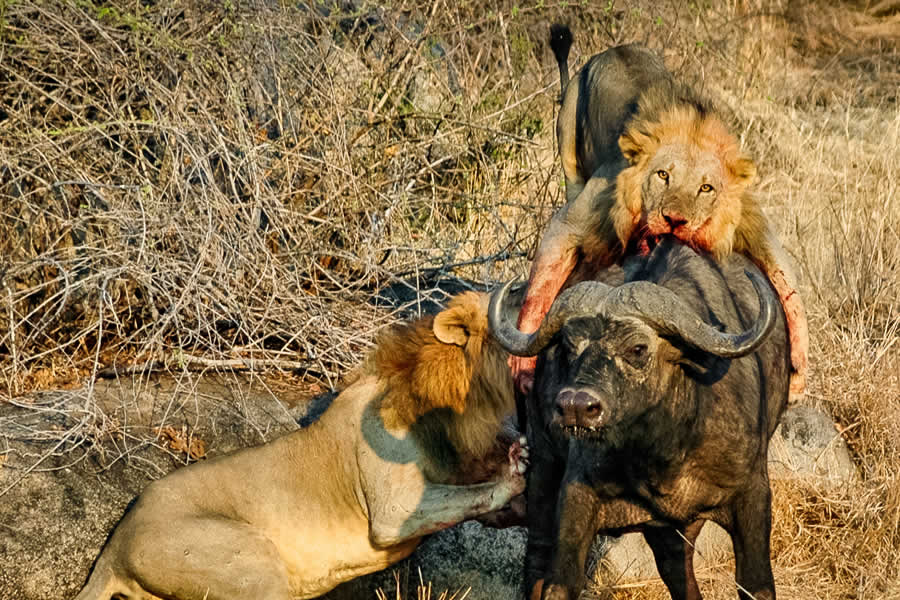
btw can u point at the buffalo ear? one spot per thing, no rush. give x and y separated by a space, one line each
700 366
451 326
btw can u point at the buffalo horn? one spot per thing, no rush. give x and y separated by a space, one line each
667 313
583 299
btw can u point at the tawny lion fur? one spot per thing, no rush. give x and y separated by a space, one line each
643 157
350 494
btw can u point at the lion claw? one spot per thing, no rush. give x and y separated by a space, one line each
518 456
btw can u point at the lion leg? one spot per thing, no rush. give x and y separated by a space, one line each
412 513
798 329
770 257
554 262
204 558
579 223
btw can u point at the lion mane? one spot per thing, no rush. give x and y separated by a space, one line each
447 380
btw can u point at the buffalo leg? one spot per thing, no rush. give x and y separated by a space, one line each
576 516
751 528
544 477
674 554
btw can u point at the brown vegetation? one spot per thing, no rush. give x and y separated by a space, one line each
187 183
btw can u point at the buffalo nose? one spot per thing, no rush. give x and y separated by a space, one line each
674 220
566 414
581 408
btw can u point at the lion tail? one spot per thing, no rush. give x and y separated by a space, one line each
560 43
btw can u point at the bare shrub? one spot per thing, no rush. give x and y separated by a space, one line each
230 182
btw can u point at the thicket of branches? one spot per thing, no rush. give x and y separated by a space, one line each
237 180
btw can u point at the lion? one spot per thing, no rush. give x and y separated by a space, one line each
351 493
646 157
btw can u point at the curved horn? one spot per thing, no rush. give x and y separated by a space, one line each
666 312
579 300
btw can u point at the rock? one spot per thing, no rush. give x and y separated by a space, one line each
807 445
72 461
628 559
489 561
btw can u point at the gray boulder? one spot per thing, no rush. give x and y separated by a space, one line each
807 445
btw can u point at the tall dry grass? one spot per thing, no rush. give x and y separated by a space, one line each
195 185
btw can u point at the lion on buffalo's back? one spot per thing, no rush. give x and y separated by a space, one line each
645 156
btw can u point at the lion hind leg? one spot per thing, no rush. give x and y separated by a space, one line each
206 558
105 585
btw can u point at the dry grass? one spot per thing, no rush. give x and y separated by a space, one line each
423 591
236 183
203 184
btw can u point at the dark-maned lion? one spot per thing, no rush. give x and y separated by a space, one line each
351 493
644 157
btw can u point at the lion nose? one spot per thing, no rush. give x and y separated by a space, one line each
674 220
580 408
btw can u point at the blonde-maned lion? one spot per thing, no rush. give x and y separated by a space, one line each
645 157
349 494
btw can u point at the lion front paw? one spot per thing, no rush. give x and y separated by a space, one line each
513 478
518 456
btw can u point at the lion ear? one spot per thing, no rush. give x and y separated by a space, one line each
743 169
633 144
451 326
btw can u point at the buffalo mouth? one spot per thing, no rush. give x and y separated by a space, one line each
648 238
579 432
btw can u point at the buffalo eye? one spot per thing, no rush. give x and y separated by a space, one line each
706 188
663 174
637 354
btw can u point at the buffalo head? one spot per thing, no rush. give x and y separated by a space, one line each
610 352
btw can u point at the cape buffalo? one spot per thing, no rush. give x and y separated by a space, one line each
646 416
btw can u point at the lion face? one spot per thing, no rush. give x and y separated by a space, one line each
686 177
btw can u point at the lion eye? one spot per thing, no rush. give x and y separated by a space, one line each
706 188
664 175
